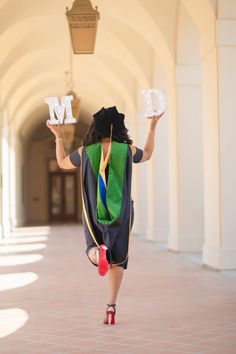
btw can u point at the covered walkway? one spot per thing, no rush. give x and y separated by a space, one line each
53 301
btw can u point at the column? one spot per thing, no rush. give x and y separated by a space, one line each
140 172
173 162
14 176
190 159
1 232
6 225
220 143
160 189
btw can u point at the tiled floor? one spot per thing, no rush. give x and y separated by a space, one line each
53 301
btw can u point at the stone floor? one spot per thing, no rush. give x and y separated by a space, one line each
53 301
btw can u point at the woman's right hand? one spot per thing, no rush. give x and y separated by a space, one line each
55 129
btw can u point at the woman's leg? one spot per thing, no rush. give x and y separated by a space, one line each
115 275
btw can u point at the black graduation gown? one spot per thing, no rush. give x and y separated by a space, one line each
116 236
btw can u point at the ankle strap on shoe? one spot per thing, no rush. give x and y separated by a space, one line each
113 306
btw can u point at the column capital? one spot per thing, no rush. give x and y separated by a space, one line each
225 32
188 75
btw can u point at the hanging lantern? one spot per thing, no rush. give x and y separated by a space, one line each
82 20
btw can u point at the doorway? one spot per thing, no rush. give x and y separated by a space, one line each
62 196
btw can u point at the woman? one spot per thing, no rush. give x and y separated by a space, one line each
106 159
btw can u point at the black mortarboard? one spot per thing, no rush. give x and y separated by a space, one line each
107 117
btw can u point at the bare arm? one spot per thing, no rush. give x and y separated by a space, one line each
149 145
63 160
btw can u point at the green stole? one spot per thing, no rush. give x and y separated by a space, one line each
114 188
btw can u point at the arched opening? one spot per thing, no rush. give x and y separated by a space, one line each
48 193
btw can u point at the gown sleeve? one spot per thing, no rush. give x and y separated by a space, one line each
75 158
138 155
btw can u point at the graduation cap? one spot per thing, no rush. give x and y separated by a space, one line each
109 121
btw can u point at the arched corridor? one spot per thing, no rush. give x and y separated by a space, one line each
184 196
189 183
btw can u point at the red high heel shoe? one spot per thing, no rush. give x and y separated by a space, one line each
110 315
103 265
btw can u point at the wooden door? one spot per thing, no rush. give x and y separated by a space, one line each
63 196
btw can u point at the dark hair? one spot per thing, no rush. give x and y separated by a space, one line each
93 136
